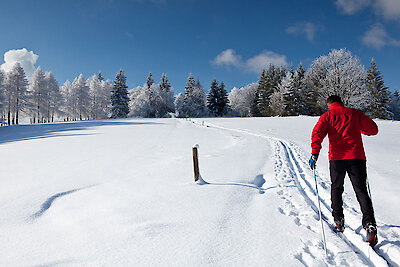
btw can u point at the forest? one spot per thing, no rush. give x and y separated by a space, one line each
279 91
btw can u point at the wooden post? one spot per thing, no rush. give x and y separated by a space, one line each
196 163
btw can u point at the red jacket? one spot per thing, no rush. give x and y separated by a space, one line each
344 127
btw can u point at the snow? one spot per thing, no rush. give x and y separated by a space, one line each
122 193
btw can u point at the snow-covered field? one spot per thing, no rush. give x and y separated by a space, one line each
121 193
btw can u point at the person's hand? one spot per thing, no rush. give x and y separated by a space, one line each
313 161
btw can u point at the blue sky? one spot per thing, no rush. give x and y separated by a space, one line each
228 40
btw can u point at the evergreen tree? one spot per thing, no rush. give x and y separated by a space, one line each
119 97
189 88
150 95
394 104
292 71
379 104
154 101
299 83
267 87
311 96
281 73
217 99
224 100
100 77
194 102
290 96
150 80
212 98
165 85
255 112
166 97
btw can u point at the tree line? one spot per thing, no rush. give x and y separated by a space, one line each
281 92
278 92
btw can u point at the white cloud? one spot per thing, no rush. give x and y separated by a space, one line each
377 37
229 58
261 61
390 9
350 7
303 28
26 58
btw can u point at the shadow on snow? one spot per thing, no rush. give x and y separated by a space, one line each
47 204
39 131
257 183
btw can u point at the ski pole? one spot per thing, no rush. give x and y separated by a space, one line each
320 214
369 189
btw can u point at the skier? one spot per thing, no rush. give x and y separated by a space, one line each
344 127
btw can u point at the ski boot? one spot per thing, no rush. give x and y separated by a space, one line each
372 237
339 225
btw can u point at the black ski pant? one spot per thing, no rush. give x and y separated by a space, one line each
357 171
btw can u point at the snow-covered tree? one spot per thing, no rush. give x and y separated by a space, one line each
94 84
342 74
154 101
142 101
100 76
166 98
299 83
2 118
54 97
119 97
380 97
38 94
194 104
277 101
16 93
81 91
104 99
282 102
291 95
70 103
179 105
261 95
242 100
8 91
394 104
150 80
268 84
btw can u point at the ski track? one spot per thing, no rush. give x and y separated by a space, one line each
291 170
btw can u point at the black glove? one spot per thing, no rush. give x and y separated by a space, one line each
313 161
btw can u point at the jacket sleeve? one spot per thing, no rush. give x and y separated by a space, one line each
368 126
318 134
